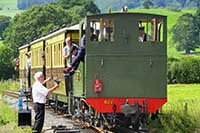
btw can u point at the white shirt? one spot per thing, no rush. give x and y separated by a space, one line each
39 93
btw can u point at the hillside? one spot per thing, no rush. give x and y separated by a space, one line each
8 4
104 5
8 8
171 20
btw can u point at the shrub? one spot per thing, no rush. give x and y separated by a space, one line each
184 70
172 66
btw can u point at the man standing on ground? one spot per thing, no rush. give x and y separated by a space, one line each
39 93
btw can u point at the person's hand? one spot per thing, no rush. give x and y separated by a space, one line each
48 79
67 70
65 57
56 85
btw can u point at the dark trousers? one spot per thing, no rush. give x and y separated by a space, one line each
39 117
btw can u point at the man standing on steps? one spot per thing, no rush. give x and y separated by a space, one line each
39 93
66 51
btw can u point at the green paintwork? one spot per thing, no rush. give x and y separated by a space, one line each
127 67
78 81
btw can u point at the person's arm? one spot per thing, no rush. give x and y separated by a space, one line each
67 56
46 80
53 88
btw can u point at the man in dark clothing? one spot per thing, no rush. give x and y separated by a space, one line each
79 57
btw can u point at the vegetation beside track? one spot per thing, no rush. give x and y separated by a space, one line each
8 115
182 111
8 85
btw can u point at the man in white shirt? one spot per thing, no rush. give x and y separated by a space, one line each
66 51
39 93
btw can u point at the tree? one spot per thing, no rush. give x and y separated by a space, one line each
6 62
147 4
184 34
197 25
83 7
4 22
31 23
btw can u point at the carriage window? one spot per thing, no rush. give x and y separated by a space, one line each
102 30
150 30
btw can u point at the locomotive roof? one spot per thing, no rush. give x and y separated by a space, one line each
127 13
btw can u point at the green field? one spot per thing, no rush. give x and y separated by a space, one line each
172 17
182 111
9 8
8 4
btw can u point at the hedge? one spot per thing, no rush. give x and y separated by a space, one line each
184 70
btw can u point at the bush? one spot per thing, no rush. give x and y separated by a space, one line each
172 66
184 70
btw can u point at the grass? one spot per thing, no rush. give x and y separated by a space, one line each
8 120
9 85
172 17
8 4
182 110
8 116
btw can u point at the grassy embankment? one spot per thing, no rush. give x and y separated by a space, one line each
172 17
182 111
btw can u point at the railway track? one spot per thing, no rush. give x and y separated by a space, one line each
83 125
11 94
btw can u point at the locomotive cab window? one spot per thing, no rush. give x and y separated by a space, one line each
150 30
102 30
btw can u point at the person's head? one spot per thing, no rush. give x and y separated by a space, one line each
68 41
74 50
28 54
39 77
141 31
91 30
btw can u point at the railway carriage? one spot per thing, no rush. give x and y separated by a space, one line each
123 77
